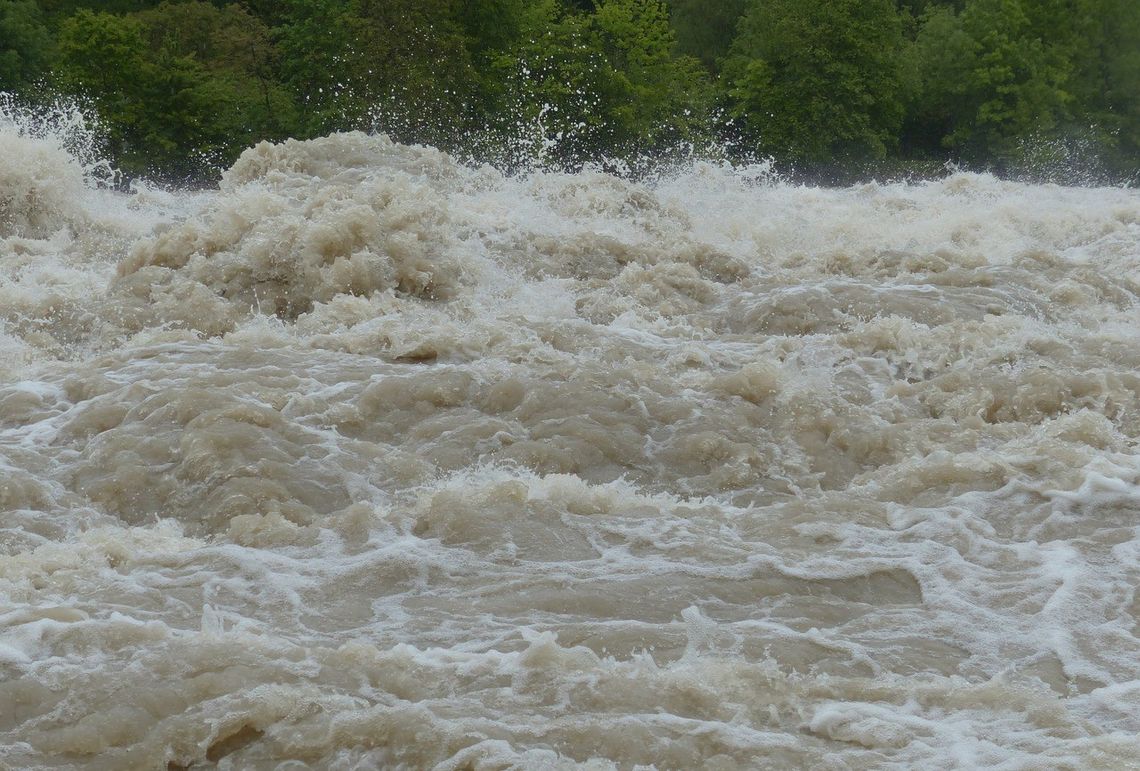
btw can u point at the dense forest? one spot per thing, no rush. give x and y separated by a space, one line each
829 88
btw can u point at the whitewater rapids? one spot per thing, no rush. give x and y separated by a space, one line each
370 459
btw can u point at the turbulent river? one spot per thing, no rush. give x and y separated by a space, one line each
371 459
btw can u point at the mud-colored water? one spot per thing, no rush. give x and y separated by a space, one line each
368 459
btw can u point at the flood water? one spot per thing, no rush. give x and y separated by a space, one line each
370 459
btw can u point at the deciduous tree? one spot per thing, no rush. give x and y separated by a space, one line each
25 44
818 81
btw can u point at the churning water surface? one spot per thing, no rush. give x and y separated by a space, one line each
370 459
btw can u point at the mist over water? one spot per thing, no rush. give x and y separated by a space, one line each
370 459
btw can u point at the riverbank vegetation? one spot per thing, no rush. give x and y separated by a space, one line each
832 89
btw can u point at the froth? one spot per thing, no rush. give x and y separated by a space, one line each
369 459
39 185
300 223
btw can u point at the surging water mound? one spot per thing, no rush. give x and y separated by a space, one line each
62 230
300 223
41 185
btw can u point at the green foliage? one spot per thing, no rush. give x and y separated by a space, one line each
563 82
943 55
990 77
177 86
706 30
349 62
1121 88
492 25
320 65
25 44
1106 82
60 9
606 82
661 93
182 86
1015 81
104 57
236 54
818 81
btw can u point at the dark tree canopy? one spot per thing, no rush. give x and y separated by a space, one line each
818 80
182 86
26 47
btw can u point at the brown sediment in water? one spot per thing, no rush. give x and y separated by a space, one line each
370 459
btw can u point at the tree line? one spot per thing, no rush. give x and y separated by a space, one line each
832 88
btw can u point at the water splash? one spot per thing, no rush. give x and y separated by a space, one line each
374 457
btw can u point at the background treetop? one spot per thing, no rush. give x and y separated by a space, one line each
829 88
